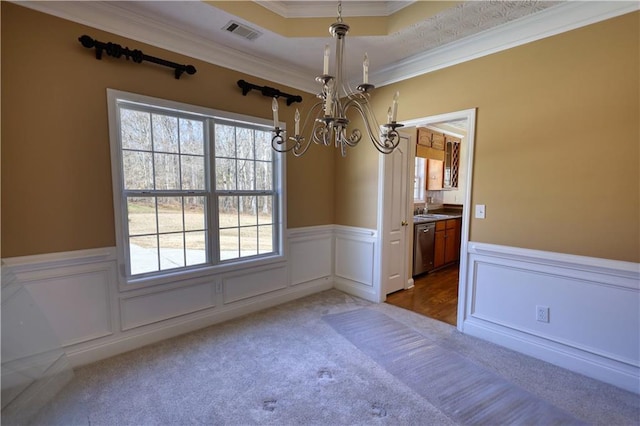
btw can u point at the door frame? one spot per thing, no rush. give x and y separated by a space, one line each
384 210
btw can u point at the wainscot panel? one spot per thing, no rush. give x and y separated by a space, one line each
593 304
71 286
310 254
161 305
253 282
355 263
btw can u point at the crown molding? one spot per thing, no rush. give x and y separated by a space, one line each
107 16
314 9
549 22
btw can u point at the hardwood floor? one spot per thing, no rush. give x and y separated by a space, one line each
434 295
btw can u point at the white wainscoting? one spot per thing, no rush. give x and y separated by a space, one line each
355 262
594 309
594 304
74 290
78 292
311 254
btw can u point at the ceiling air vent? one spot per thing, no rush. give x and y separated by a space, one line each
242 30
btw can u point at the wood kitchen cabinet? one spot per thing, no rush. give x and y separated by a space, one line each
429 138
435 169
424 137
447 242
437 141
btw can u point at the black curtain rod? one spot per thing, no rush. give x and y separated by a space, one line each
268 91
136 55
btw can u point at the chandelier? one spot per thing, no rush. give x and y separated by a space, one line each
336 100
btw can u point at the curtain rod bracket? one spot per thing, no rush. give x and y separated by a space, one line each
268 91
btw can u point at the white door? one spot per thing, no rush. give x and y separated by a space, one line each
395 222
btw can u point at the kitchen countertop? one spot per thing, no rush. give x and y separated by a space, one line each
435 217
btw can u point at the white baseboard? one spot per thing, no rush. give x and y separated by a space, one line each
606 370
356 289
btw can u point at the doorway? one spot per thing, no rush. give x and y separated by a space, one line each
434 295
439 294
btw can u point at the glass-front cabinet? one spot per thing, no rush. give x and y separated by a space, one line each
451 162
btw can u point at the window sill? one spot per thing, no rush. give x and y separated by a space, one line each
209 271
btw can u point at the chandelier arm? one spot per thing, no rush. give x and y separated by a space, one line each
313 112
321 132
279 141
391 136
364 112
300 149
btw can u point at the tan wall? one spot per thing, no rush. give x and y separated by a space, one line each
56 173
557 154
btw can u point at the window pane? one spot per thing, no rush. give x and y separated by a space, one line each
193 176
170 214
265 209
225 143
229 245
194 214
248 241
195 248
137 169
264 176
228 211
244 142
142 215
135 129
191 137
264 152
167 171
143 254
246 175
225 174
165 133
171 251
265 239
248 208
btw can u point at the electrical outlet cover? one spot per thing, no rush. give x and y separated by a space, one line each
542 313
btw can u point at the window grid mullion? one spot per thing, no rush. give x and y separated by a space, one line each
157 233
153 153
213 218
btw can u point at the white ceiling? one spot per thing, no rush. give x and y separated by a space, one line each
466 31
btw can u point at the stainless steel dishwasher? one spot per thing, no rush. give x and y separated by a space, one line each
423 245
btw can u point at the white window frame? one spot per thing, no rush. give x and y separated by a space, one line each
213 266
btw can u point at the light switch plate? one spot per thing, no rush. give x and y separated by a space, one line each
479 211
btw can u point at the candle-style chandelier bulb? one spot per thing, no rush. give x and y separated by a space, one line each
330 124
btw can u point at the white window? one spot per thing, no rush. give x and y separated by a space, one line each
419 180
195 188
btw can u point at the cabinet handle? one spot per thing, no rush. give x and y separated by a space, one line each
404 223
